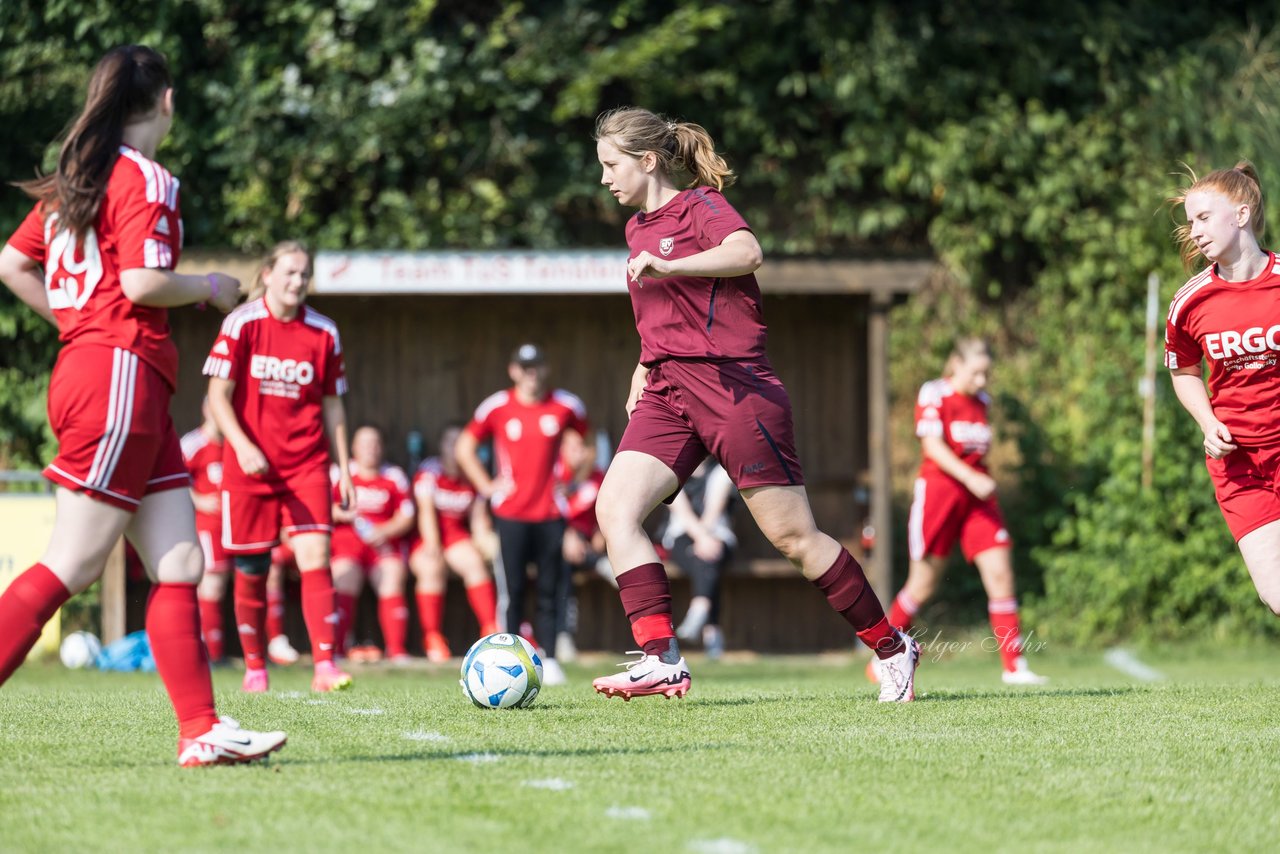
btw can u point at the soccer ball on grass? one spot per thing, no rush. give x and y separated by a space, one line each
501 671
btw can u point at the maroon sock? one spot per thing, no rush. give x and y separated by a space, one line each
320 612
25 606
250 597
646 597
846 588
173 628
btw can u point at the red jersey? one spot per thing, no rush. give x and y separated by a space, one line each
138 226
958 419
378 498
282 370
1236 326
693 317
203 456
526 444
453 498
578 501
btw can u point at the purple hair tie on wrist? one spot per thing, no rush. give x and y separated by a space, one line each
213 291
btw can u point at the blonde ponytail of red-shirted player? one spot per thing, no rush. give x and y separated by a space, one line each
284 247
1240 184
126 83
682 148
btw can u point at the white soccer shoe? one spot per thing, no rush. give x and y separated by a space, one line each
898 673
281 652
227 744
1022 674
646 677
552 673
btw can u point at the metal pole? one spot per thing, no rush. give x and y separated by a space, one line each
1148 387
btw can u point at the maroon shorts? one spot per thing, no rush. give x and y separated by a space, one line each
209 532
1247 484
110 412
251 522
944 512
347 545
738 412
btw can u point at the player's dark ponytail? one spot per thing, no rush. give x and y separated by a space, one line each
126 83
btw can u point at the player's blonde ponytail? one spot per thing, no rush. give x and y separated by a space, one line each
684 149
1240 184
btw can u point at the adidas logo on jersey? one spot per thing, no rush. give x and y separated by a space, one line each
162 226
221 348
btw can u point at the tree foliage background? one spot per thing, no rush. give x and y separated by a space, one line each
1030 147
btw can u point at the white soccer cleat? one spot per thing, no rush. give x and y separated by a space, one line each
281 652
227 744
552 673
1022 674
647 676
898 673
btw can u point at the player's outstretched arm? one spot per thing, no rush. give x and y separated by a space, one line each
24 277
167 289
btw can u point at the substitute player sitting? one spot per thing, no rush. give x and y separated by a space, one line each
368 542
955 501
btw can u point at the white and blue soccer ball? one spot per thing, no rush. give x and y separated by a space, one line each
80 650
501 671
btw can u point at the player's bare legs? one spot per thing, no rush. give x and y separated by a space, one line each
1260 549
311 551
388 578
428 565
996 568
465 560
784 517
85 531
634 485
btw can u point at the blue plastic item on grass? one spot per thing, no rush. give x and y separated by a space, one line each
129 654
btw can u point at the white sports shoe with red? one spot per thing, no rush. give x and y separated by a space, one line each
898 673
648 675
227 744
281 652
1022 674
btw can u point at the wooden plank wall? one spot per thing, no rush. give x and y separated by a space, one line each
416 362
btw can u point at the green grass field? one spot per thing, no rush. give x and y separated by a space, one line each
783 754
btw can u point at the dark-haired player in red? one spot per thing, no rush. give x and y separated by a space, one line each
107 231
1229 315
955 501
275 389
704 386
447 513
527 423
368 540
202 451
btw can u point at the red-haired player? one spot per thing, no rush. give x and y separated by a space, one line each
202 452
107 231
368 540
447 513
955 501
705 386
275 389
1229 314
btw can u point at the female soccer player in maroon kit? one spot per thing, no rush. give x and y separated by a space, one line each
955 502
704 386
275 389
1229 314
107 230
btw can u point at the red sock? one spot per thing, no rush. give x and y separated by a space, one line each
251 618
275 613
393 616
319 611
646 597
211 627
484 603
1004 625
430 614
346 604
173 628
903 611
847 590
25 606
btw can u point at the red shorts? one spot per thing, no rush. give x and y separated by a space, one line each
1247 484
737 411
943 511
450 536
209 532
347 545
251 522
110 412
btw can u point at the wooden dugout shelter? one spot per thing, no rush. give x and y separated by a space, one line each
427 336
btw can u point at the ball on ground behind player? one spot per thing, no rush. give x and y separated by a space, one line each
80 650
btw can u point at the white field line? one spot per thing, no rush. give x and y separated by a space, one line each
1127 663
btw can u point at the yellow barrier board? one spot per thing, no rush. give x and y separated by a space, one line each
26 523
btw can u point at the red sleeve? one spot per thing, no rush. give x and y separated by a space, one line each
1181 349
335 369
401 499
714 218
29 238
145 215
481 428
424 485
929 416
227 355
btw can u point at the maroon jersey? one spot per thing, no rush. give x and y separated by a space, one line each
958 419
1236 326
282 371
526 444
203 456
452 497
693 317
138 226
